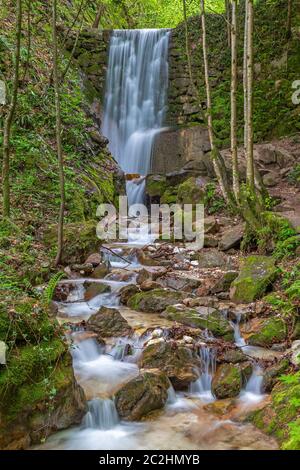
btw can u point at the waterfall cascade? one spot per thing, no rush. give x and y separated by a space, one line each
135 100
202 387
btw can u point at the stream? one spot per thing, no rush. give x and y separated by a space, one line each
134 113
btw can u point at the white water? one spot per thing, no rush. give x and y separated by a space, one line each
202 387
253 391
135 100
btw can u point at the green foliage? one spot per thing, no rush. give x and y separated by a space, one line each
213 201
50 289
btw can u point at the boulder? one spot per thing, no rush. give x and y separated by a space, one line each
156 185
211 259
155 301
85 269
94 259
201 317
256 275
211 225
146 393
100 271
149 285
95 288
264 331
272 374
184 284
228 380
232 237
126 292
295 358
224 282
233 356
179 362
191 191
108 322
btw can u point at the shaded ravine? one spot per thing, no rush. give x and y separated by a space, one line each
185 423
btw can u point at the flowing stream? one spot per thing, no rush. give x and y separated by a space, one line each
135 106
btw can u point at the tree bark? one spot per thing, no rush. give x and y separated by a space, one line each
218 167
27 64
98 16
234 146
250 60
245 76
228 22
10 116
56 82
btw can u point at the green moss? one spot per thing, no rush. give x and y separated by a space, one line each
155 300
272 330
256 275
227 381
189 192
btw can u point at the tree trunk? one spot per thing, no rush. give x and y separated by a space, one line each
234 147
58 137
250 60
10 116
98 17
289 20
218 167
245 76
27 64
228 22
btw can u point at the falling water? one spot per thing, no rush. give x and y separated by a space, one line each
102 414
202 387
135 100
253 391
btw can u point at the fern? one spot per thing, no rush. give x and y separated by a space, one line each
49 291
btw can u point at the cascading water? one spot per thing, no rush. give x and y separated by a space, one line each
202 387
135 100
102 414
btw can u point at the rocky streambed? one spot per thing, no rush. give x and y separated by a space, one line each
165 357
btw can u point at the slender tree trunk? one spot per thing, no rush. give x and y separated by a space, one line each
27 64
250 60
289 20
234 147
245 76
187 45
228 22
10 116
56 82
98 17
218 167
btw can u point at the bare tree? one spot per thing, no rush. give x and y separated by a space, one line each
227 12
98 16
234 147
187 45
10 116
245 75
249 92
219 168
56 83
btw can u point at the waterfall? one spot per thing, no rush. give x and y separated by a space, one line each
102 414
253 390
135 100
202 386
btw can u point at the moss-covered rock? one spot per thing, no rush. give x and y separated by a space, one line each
155 301
202 317
179 363
146 393
47 401
256 275
109 322
280 418
266 332
227 381
272 374
80 240
128 291
190 192
156 185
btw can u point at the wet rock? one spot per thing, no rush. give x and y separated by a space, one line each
232 238
108 322
256 275
223 284
100 271
201 317
200 302
94 259
273 373
156 185
179 362
211 259
126 292
149 285
150 273
86 268
120 275
265 332
146 393
62 291
228 380
221 407
155 301
95 288
185 284
233 356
